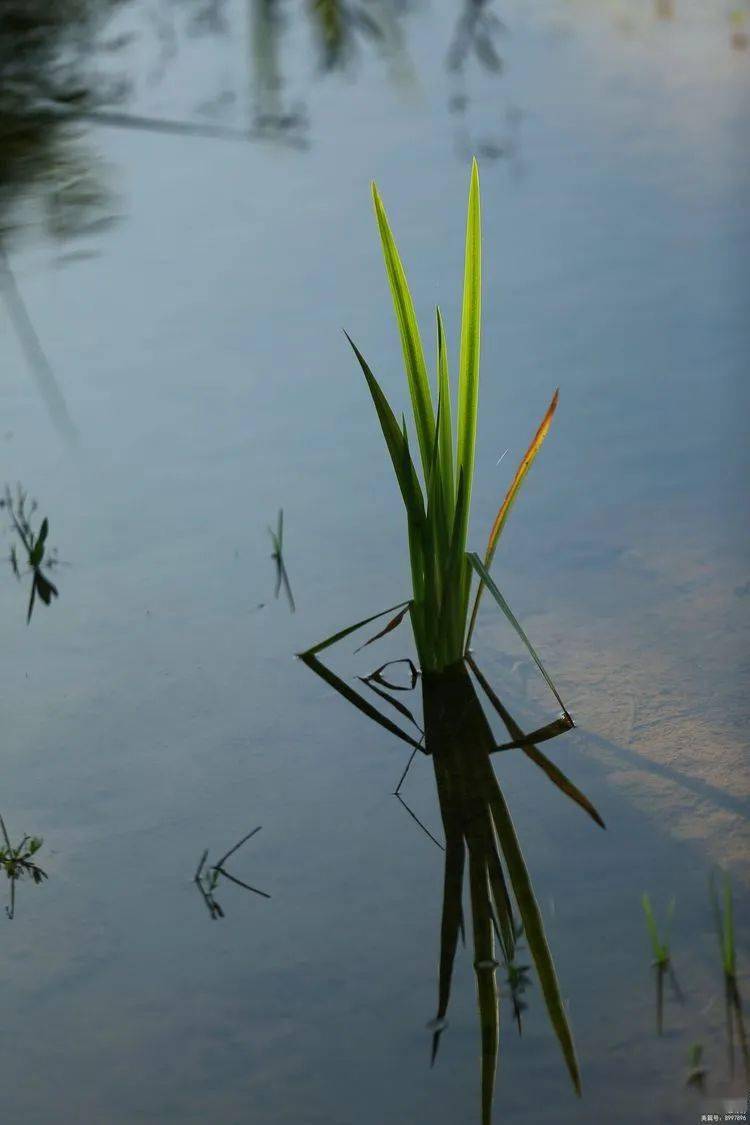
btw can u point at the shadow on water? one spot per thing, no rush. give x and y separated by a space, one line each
480 838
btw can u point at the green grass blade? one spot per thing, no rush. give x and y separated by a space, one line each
421 558
438 528
392 624
653 932
532 924
468 373
487 579
342 633
445 423
450 624
668 922
394 439
414 361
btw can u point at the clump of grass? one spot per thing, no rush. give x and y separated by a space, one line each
438 501
662 963
17 862
723 908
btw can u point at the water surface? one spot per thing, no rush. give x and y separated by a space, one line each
193 379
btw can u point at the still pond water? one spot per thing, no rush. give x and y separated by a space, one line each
193 379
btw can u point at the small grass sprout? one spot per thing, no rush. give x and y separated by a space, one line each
723 909
659 946
697 1072
438 501
662 963
17 862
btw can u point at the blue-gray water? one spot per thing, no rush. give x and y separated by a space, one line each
155 710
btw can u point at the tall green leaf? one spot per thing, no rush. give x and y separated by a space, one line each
394 438
411 343
468 371
445 423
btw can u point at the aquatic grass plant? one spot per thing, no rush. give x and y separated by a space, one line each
723 910
17 862
438 501
659 944
696 1072
662 963
436 486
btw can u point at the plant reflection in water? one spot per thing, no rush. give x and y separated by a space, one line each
34 544
479 835
207 878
